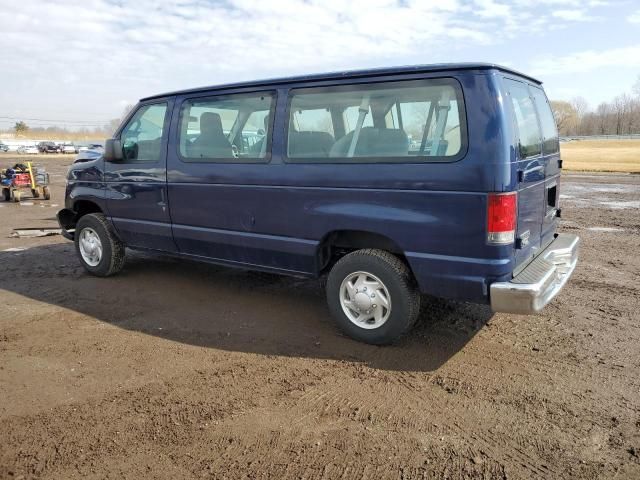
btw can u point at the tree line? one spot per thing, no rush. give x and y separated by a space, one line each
621 116
23 130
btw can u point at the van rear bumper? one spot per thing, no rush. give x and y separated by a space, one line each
536 285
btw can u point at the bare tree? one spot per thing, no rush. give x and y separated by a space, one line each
581 108
114 123
564 114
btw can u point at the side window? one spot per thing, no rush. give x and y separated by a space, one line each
226 128
550 142
421 123
404 122
142 137
525 118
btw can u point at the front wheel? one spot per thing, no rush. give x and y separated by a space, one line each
100 251
372 296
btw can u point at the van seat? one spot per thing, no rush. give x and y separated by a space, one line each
212 142
374 142
308 144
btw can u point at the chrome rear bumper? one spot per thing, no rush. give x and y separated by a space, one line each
541 280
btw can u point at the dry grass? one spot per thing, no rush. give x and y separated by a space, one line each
602 155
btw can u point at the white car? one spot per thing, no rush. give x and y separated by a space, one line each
67 148
28 149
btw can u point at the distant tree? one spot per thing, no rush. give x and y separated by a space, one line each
636 86
581 108
114 123
604 115
21 128
565 115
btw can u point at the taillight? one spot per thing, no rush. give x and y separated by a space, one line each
501 218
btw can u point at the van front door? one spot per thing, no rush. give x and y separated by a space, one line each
137 185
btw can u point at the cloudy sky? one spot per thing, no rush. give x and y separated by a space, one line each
82 61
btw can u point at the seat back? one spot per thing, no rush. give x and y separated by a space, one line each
374 142
309 144
212 142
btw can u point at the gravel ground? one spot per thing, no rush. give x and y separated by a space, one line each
181 370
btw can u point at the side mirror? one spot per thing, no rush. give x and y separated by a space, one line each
113 150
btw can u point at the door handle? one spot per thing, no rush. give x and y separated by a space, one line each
163 200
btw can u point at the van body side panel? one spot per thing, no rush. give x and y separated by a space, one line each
277 214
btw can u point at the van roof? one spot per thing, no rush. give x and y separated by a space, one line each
439 67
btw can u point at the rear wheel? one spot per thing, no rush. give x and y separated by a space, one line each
100 251
6 194
35 193
46 193
372 296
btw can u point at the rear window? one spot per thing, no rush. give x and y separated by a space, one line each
525 118
405 122
550 142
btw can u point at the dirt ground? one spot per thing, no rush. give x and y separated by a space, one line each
181 370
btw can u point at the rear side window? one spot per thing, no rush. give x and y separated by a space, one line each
404 122
550 142
525 119
226 128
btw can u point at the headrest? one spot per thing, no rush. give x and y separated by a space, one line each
211 123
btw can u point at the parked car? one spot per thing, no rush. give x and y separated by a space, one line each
48 147
3 147
467 210
28 149
90 146
67 148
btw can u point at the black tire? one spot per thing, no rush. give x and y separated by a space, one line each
35 193
6 194
401 286
46 193
113 250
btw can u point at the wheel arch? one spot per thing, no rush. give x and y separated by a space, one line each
337 243
68 217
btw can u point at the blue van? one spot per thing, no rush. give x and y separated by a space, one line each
438 179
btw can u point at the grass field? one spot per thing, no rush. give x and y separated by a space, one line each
602 155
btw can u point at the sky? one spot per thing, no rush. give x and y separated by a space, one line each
80 62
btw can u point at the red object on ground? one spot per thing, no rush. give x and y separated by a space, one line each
21 180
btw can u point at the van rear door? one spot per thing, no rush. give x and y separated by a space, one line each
537 168
551 157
